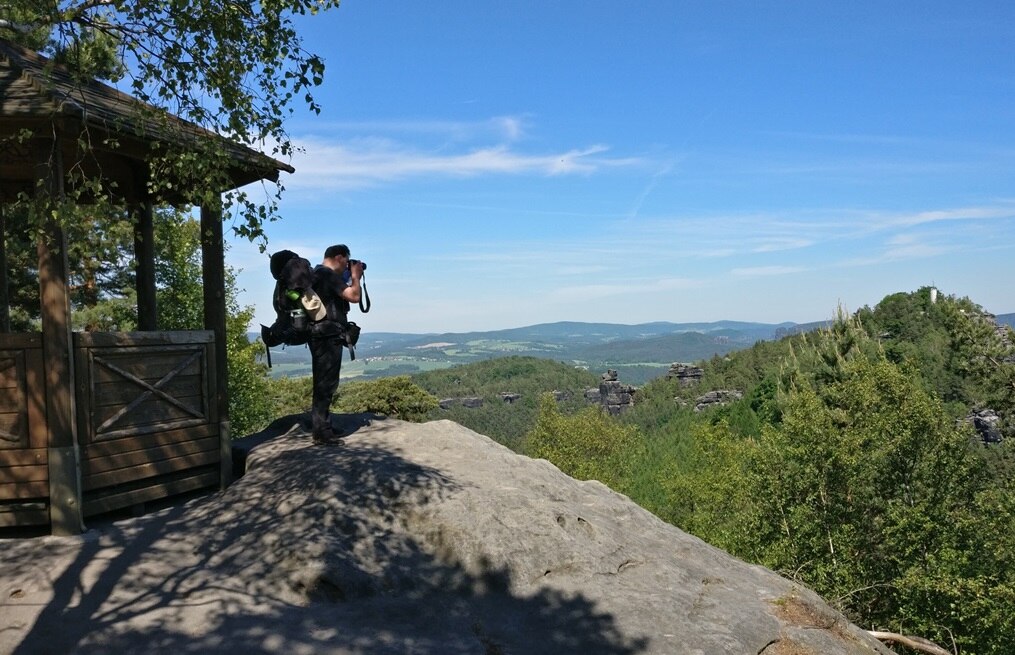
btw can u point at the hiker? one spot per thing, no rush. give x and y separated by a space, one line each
337 282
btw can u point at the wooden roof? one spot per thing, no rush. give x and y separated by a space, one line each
38 95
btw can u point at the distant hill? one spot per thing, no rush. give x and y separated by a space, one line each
638 352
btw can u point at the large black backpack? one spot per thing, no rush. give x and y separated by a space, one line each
293 276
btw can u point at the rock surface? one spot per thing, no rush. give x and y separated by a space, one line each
406 539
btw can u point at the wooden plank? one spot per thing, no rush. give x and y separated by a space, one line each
83 394
190 482
12 400
13 432
154 428
17 514
151 369
147 409
13 403
123 391
10 369
23 457
135 441
21 474
150 470
38 432
156 419
95 465
21 490
127 340
20 340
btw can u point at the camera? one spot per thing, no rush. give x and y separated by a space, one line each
356 261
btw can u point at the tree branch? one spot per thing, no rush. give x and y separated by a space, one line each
17 27
916 643
72 14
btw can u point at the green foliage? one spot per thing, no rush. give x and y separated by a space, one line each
588 445
179 294
395 396
238 70
958 351
864 490
250 406
290 395
529 377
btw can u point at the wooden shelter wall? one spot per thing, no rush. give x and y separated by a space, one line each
24 454
148 424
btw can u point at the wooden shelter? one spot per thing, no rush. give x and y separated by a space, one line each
92 422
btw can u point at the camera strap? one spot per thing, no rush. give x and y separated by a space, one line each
364 296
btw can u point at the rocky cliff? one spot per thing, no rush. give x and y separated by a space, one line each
407 539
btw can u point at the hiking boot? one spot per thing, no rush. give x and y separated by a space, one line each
327 438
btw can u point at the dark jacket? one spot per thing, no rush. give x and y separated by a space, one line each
328 284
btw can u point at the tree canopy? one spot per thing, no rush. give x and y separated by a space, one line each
237 69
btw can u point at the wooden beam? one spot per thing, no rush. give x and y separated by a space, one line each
58 381
144 260
214 278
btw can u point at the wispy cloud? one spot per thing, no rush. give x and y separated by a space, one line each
1006 211
351 155
325 164
509 128
653 181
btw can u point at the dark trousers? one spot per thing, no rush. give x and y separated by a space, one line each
326 357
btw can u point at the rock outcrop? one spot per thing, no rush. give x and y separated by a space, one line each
406 539
716 398
987 424
686 374
471 402
613 395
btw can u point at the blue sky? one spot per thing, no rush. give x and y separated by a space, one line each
518 162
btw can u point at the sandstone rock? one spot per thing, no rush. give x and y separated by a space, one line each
685 374
614 396
407 539
716 398
987 423
471 402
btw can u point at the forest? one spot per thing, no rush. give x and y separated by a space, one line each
851 463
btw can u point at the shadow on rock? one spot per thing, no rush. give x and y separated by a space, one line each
309 552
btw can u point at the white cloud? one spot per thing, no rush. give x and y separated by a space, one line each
327 164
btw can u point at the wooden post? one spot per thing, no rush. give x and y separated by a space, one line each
144 260
65 506
214 278
5 299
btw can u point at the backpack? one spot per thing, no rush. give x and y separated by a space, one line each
293 277
299 311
